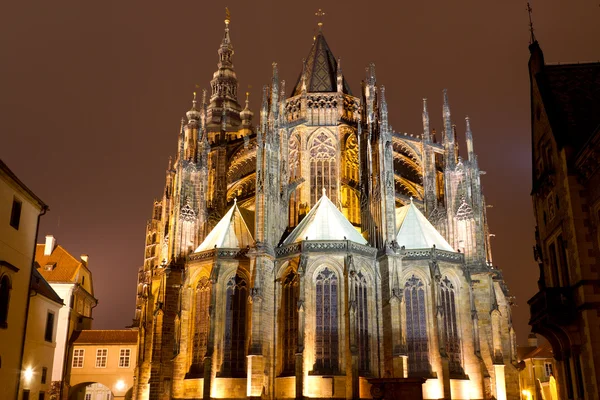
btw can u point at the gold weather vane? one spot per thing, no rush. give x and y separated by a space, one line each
320 14
529 11
227 15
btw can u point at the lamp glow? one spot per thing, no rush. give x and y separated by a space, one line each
120 385
28 373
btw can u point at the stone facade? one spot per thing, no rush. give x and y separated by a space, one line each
302 255
565 100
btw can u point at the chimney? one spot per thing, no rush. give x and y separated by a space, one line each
50 244
84 258
532 340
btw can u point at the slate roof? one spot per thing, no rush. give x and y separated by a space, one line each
571 94
122 336
320 69
324 222
66 266
416 232
232 231
42 287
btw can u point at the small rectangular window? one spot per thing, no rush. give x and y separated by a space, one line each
25 394
44 374
88 396
101 355
42 396
15 214
124 356
49 327
78 358
547 369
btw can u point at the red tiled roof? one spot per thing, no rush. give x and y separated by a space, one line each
123 336
66 267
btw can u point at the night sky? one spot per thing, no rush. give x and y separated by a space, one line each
91 94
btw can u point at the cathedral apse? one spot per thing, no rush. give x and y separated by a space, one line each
299 252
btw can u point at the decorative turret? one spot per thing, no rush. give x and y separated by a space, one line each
246 114
469 136
224 84
448 134
193 114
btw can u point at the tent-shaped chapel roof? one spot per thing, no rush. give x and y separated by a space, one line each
320 69
324 222
416 232
232 232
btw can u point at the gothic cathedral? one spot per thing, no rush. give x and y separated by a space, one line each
302 254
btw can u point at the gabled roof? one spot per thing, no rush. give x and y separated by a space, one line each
320 69
42 287
542 351
231 232
65 266
324 222
123 336
571 95
416 232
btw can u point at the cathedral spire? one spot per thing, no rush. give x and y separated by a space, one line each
426 134
448 134
469 136
226 49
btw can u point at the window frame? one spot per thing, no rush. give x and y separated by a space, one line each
49 329
124 357
100 357
44 375
79 355
6 307
15 213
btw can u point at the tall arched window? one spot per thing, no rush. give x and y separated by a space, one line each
234 354
323 167
448 304
327 335
290 293
201 322
4 300
362 322
416 327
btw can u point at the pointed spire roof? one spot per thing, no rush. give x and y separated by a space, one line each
324 222
416 232
320 69
231 232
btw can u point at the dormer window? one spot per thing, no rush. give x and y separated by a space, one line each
49 266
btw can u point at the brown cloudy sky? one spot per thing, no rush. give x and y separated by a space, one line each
91 94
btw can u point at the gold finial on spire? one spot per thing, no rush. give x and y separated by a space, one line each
529 11
227 16
320 14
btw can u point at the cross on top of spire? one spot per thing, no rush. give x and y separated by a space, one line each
320 15
530 11
227 16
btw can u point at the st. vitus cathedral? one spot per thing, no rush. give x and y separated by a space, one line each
302 252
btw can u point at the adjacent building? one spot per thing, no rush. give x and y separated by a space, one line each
565 134
71 279
103 364
302 254
536 371
20 212
40 339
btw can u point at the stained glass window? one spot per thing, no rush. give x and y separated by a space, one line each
416 327
290 293
448 304
323 168
362 322
234 355
201 322
326 335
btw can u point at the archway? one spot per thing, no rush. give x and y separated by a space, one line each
96 391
